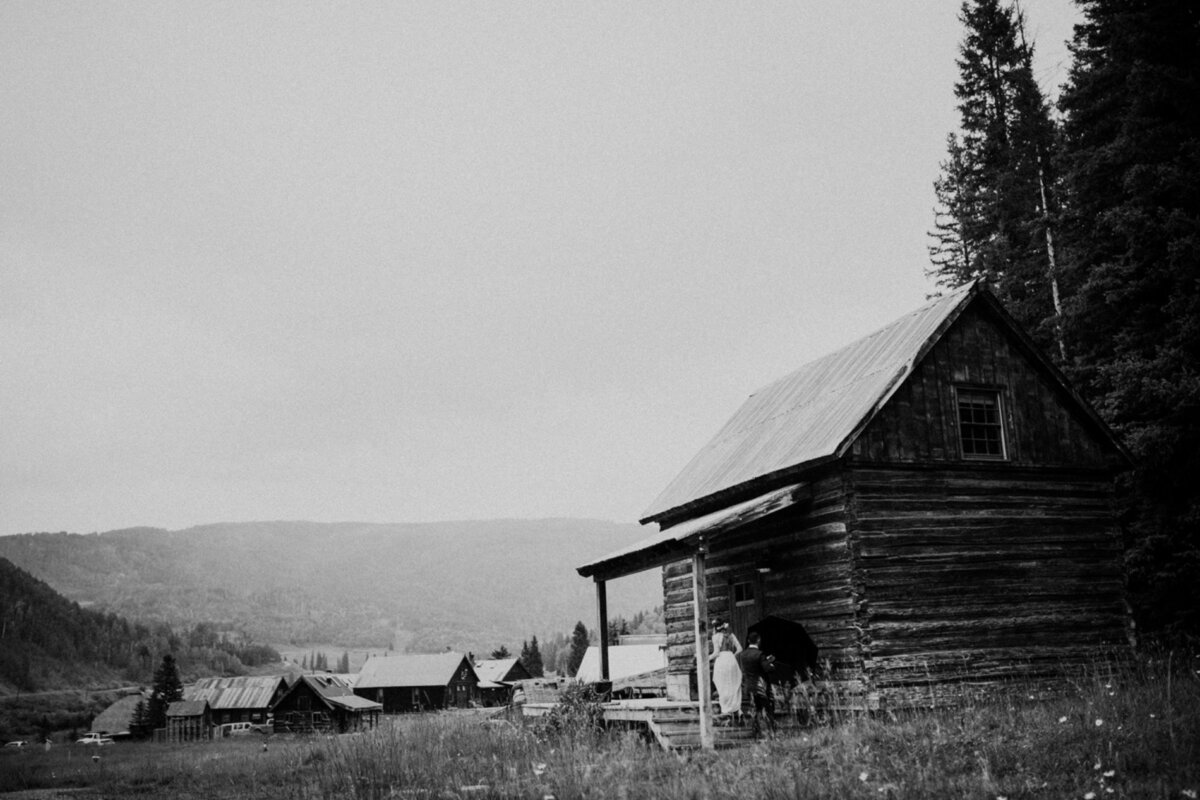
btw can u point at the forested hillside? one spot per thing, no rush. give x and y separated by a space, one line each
419 587
49 642
1085 220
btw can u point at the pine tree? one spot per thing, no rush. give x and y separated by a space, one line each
533 660
167 688
140 724
579 646
996 196
1131 172
501 652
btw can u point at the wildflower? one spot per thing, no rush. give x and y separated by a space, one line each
1110 773
1090 796
1064 719
862 776
1188 793
1096 766
1099 722
1152 717
539 769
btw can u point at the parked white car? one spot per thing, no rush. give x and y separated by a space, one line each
94 738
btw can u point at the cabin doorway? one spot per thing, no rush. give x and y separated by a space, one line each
745 605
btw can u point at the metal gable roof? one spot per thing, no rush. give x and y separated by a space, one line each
239 692
813 413
117 718
494 669
624 661
409 670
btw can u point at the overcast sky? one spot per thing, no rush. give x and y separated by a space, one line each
392 262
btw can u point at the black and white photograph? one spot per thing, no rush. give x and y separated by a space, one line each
558 400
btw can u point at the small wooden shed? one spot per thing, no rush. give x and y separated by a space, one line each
932 503
189 721
420 682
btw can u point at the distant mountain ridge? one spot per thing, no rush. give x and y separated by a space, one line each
415 586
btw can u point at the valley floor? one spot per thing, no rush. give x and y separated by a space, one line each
1133 734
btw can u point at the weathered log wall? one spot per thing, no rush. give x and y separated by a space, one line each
919 424
973 574
807 552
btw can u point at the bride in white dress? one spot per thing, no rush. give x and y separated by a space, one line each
727 675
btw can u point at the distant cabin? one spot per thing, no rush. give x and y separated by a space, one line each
116 721
496 678
634 670
325 703
419 682
246 698
189 721
931 504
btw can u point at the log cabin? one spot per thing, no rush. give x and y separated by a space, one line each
932 503
325 703
420 682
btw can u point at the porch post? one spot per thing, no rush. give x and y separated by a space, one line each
602 608
700 627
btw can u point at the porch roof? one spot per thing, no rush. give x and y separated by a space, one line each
679 541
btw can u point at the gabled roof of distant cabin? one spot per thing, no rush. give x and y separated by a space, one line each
245 691
116 719
624 661
187 708
335 689
421 669
497 670
813 415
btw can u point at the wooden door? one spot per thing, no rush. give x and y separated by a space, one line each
745 605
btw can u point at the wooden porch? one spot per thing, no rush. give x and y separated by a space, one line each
676 725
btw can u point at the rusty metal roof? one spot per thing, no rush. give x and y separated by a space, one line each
241 692
812 414
410 670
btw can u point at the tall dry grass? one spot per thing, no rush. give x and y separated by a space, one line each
1127 732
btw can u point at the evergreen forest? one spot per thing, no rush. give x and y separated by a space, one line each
1082 214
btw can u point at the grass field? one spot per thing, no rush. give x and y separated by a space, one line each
1132 734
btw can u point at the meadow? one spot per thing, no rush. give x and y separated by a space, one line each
1134 732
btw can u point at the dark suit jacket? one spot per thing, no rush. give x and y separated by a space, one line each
754 666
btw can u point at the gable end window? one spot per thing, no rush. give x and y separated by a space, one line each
980 423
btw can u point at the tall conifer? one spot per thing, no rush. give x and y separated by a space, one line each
1131 172
996 195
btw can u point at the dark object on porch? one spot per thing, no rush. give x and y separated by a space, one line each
789 643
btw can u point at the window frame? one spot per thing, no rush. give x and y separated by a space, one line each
995 393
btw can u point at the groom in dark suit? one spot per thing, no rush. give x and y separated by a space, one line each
756 683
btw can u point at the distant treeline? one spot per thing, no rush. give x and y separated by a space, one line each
48 641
